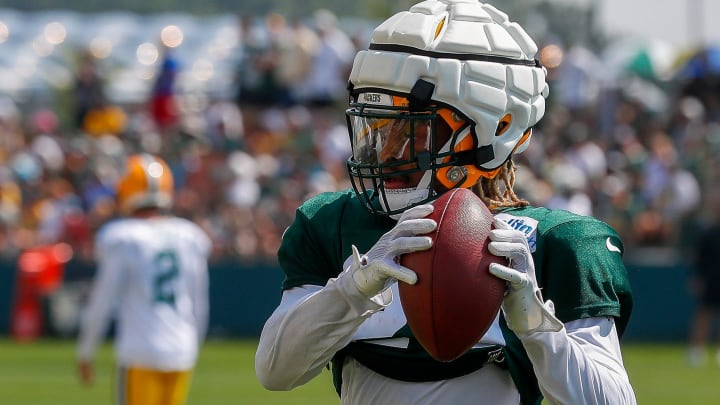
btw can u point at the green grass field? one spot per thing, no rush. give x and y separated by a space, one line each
43 373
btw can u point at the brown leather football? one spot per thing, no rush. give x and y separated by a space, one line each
455 299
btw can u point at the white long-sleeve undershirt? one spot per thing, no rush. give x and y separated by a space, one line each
580 364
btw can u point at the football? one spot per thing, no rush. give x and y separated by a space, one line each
455 299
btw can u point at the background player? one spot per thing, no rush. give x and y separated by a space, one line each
152 273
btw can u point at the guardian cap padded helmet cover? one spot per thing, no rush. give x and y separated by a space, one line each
465 56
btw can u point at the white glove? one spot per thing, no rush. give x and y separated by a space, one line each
374 271
523 304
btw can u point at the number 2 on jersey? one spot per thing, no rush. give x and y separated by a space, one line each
164 281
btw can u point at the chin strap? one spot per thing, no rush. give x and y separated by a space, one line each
403 198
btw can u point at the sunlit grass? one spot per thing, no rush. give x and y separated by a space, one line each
43 373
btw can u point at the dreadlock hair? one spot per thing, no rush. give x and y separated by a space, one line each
497 192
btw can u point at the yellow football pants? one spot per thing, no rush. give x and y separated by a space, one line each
139 386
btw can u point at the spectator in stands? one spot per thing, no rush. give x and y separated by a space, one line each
271 136
89 90
329 68
164 107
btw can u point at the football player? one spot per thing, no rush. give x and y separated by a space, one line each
443 98
152 275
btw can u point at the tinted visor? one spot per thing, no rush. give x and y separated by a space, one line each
378 139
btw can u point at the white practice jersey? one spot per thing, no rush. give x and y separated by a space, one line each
152 275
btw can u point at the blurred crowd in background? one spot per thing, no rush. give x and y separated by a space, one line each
630 137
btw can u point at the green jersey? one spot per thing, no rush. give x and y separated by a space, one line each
578 264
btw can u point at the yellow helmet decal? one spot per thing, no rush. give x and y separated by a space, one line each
439 27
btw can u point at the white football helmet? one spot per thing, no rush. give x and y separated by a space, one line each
460 62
